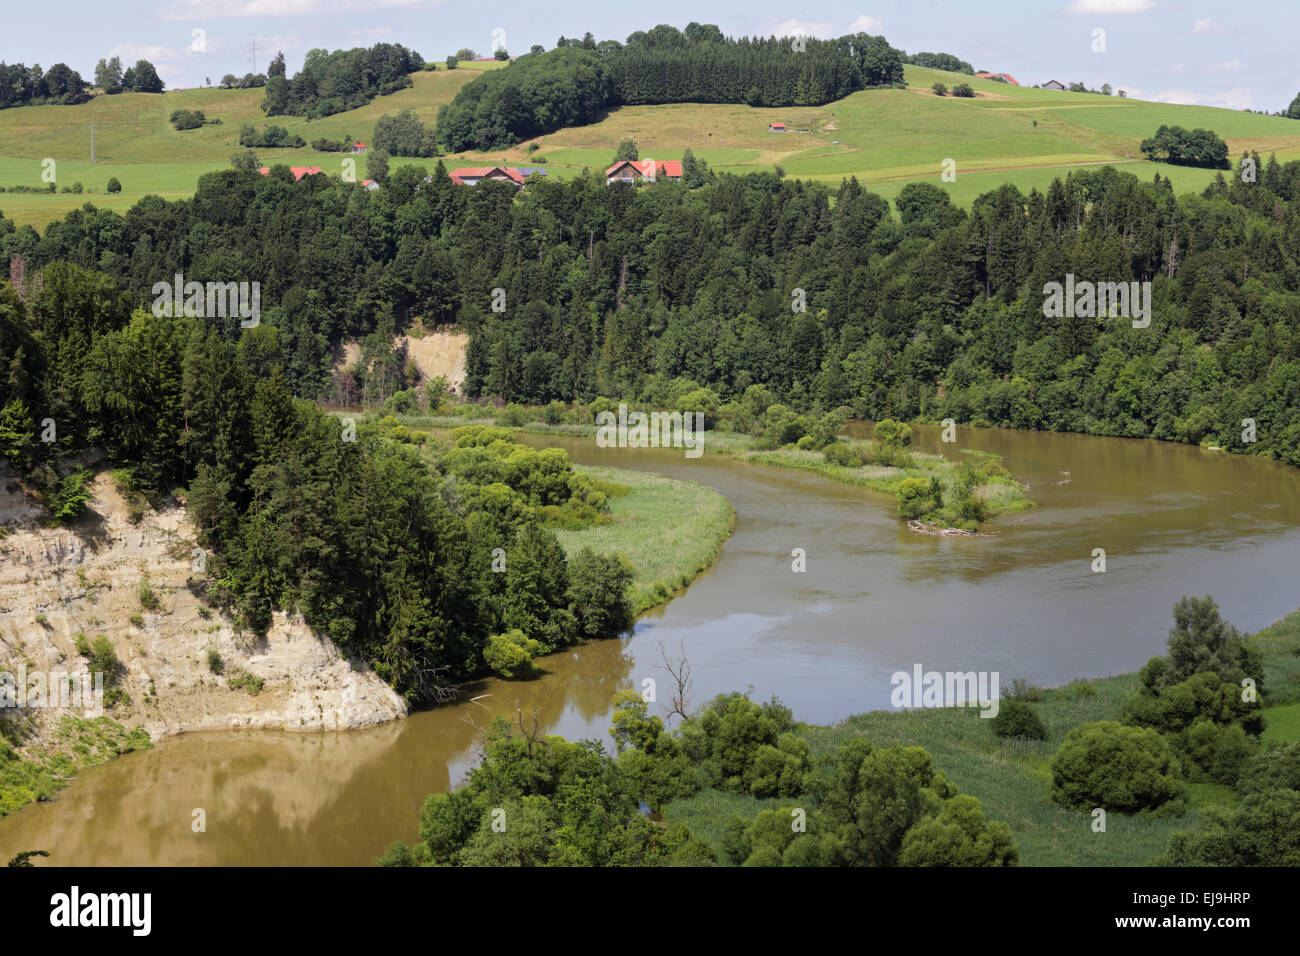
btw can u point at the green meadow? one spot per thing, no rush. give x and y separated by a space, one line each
886 137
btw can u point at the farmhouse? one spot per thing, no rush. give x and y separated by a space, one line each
631 170
358 147
473 175
369 185
298 171
1053 85
776 127
1003 77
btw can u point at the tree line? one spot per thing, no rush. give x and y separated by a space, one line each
330 83
825 296
579 80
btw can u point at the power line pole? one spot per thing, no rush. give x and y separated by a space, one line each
251 50
92 143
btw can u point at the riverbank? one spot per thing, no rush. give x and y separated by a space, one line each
670 531
1012 778
998 491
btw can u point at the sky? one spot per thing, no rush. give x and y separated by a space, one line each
1231 54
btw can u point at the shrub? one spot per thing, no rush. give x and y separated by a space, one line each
962 89
1106 764
148 599
187 119
554 413
215 664
114 186
511 654
839 453
1214 752
940 89
67 499
246 681
1015 718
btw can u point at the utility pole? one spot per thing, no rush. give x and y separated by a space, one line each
92 143
251 50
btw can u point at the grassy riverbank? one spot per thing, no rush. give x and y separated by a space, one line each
669 531
78 743
1012 779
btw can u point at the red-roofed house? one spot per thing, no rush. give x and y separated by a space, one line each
631 170
358 147
1004 77
776 127
298 171
473 175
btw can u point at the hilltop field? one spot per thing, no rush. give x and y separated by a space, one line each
885 137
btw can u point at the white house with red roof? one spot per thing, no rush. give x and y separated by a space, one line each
647 170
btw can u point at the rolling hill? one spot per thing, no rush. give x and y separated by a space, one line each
885 137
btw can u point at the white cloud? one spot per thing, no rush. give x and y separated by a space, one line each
1118 8
1226 66
866 24
198 11
1203 25
1238 98
130 52
808 28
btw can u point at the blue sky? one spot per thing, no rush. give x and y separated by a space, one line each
1216 53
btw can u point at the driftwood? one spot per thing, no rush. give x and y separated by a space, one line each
921 528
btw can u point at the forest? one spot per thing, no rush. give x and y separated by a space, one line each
576 82
431 564
636 293
330 83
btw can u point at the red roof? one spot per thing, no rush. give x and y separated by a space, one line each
1006 76
670 168
481 172
776 125
298 171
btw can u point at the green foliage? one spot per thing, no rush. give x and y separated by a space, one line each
1118 768
145 592
511 654
269 137
67 499
404 135
1198 147
330 83
24 858
246 680
215 664
1015 718
940 89
963 90
187 119
1263 830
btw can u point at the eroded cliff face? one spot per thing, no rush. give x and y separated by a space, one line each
58 582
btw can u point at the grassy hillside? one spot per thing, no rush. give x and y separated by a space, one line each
886 137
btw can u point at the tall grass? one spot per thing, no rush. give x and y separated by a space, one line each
669 531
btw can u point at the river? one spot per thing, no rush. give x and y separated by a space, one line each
875 599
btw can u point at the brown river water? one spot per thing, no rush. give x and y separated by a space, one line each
875 599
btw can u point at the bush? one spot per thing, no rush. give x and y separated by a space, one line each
839 453
67 500
1015 718
1106 764
187 119
511 654
940 89
148 599
1214 752
114 186
215 664
962 89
